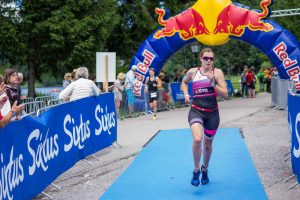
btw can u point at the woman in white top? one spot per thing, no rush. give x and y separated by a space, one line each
81 88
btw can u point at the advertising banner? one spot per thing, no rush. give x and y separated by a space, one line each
294 126
35 151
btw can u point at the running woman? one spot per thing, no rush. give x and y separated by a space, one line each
208 83
151 87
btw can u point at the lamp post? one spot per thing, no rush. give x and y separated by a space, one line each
195 47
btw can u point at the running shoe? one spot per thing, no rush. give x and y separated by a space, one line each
204 178
195 180
154 117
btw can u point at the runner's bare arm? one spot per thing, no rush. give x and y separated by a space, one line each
184 84
221 86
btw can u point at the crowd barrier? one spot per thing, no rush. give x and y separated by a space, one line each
170 96
280 88
294 127
34 151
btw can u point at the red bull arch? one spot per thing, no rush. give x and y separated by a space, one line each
215 22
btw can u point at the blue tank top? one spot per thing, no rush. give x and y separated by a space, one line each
204 95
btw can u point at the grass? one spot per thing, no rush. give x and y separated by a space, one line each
236 82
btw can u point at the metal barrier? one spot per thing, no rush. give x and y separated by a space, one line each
279 89
141 106
45 98
41 104
27 100
54 102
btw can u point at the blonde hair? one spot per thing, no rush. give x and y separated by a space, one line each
67 75
205 50
121 76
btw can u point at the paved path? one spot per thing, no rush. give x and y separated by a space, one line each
266 136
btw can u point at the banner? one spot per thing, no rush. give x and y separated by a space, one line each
294 124
177 92
35 151
229 87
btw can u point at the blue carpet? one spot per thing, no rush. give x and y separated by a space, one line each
163 170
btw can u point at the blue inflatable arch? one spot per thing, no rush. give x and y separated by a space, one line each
281 47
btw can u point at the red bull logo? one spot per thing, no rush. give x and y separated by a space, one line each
188 24
213 21
234 19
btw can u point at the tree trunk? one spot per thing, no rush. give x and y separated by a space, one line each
31 65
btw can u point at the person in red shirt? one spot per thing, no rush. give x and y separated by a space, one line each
250 80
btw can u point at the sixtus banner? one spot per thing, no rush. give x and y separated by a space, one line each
177 92
34 151
294 126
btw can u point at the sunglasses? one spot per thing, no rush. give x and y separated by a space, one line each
208 58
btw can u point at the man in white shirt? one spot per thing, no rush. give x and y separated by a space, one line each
81 88
129 84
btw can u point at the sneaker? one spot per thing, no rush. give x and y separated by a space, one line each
204 178
154 117
195 180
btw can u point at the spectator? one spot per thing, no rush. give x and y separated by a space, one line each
20 78
12 112
12 83
118 88
73 75
129 84
244 86
250 80
165 90
261 79
183 74
67 79
268 77
81 88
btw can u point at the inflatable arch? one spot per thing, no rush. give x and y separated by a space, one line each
215 22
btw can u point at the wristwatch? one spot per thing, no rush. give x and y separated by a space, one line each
13 113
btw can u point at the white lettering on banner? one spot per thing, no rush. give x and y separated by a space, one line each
79 133
280 52
106 120
180 96
12 174
296 152
143 68
47 149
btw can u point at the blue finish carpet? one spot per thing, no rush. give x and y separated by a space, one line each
163 170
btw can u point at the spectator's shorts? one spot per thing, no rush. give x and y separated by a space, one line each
251 86
130 96
209 120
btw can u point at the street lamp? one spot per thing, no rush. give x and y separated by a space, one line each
195 47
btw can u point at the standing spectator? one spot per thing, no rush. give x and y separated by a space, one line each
118 88
244 86
67 79
151 88
20 78
129 84
268 77
165 90
12 83
81 88
250 80
183 74
13 110
261 79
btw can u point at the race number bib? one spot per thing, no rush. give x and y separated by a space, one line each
153 94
